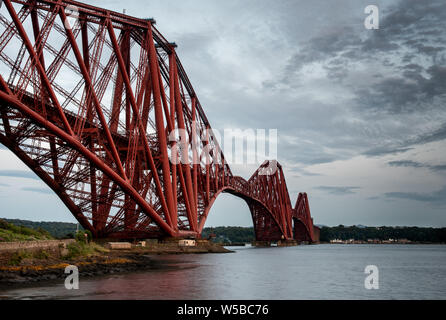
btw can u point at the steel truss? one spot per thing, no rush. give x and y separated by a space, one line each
89 108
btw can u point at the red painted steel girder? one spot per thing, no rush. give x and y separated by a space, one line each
88 101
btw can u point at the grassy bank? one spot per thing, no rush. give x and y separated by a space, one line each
28 266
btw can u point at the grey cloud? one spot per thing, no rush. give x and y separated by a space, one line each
414 164
304 172
383 151
411 24
310 174
406 163
411 92
18 174
438 167
338 190
434 136
412 21
404 27
437 135
436 84
308 154
320 49
436 197
390 95
397 70
407 145
38 190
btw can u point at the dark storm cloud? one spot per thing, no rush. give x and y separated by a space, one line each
436 197
408 93
416 27
18 174
322 48
412 24
436 135
406 26
414 164
438 167
338 190
397 70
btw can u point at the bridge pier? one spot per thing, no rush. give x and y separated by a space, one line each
280 243
287 243
261 244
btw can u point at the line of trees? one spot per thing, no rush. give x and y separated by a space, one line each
57 230
12 232
246 234
230 234
415 234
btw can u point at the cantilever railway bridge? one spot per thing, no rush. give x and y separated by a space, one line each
88 98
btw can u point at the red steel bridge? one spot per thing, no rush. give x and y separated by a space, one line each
88 98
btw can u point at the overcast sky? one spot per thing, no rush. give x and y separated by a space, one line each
361 114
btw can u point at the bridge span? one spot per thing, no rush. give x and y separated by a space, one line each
88 101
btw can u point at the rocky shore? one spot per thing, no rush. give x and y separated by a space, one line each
94 266
51 268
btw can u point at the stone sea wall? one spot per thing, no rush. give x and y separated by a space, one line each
34 245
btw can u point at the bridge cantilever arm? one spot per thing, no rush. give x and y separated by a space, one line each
74 143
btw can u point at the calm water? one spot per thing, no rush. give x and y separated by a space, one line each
304 272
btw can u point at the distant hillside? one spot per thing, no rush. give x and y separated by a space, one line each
246 234
414 234
10 232
55 229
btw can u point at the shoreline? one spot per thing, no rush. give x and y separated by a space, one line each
386 244
34 271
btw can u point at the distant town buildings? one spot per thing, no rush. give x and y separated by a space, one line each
370 241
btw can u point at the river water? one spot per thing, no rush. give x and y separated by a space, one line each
303 272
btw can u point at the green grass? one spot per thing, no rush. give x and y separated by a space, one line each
10 232
82 249
41 255
17 257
